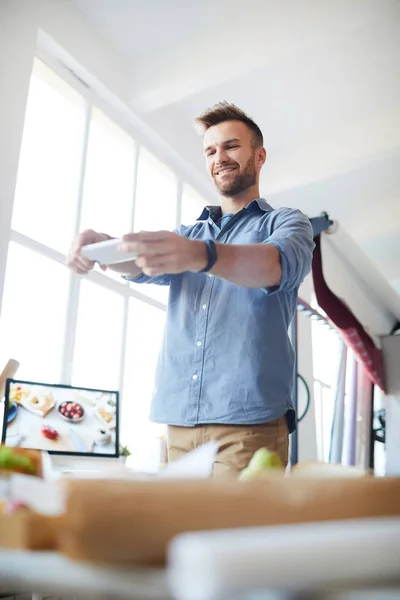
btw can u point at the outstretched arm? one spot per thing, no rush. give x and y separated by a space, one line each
250 265
281 262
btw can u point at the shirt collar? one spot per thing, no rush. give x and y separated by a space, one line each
215 212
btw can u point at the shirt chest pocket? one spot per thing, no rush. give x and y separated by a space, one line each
248 237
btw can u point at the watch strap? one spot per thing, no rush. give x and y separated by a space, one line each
212 255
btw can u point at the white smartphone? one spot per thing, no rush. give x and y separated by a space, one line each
107 253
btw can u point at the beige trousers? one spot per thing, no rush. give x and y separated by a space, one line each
237 443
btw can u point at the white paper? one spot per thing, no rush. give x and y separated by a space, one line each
44 497
197 464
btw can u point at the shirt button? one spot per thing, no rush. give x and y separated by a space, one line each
198 344
194 377
209 275
210 221
204 306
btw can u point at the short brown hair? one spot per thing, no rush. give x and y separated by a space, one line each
224 111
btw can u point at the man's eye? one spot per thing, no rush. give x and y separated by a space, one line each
232 147
210 152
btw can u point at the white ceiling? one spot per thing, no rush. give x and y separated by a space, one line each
320 77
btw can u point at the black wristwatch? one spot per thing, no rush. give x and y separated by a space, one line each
212 255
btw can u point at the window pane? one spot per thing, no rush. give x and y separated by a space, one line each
327 404
32 324
156 194
145 332
98 342
112 274
326 352
109 175
48 176
157 292
192 205
155 207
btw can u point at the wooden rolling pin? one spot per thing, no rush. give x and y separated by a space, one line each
9 371
132 522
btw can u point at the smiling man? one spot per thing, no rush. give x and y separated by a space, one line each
225 370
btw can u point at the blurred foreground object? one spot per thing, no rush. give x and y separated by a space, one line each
133 521
263 461
8 372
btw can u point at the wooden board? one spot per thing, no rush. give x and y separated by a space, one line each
133 521
63 444
28 531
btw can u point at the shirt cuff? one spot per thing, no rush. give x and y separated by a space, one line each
284 269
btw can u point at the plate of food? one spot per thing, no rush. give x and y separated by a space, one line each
38 402
18 393
73 412
106 417
12 411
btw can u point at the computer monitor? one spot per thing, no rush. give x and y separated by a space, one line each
61 419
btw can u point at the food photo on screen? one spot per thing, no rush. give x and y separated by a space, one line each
60 418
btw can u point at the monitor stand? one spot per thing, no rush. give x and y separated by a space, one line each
85 466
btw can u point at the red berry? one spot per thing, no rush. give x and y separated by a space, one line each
49 432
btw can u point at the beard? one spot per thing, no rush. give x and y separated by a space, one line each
239 181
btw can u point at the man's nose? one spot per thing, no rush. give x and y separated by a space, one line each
221 156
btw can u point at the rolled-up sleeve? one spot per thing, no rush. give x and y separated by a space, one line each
158 280
293 237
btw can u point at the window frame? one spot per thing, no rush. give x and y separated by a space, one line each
124 118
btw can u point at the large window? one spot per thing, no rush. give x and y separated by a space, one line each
80 169
50 161
192 205
33 319
325 369
109 177
98 338
145 331
156 195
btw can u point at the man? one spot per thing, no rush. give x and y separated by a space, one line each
225 370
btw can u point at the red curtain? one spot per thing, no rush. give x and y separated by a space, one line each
352 331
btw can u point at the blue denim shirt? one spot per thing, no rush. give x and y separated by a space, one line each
226 356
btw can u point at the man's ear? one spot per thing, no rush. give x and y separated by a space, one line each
261 156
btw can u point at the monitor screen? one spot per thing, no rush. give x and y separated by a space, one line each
61 419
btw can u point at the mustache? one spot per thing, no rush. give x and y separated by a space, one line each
225 166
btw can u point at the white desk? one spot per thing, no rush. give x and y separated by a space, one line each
50 573
45 574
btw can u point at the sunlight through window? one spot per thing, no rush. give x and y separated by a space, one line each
50 161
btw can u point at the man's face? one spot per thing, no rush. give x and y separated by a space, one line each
232 161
